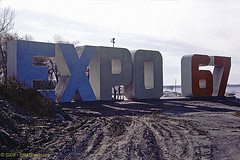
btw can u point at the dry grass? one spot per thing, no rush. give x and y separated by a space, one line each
26 97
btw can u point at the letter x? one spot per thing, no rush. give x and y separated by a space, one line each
72 70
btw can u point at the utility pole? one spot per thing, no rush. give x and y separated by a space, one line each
175 84
114 90
113 41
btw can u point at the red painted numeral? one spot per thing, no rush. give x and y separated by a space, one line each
201 76
223 64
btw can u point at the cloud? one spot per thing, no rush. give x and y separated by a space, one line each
174 28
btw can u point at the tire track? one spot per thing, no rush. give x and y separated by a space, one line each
146 137
172 141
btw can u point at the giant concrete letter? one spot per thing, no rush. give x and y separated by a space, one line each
103 74
202 83
147 81
73 81
20 60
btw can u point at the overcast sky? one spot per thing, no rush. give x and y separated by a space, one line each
173 27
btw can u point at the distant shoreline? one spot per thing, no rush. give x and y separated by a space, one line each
179 86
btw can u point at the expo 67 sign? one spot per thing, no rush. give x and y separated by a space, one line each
141 71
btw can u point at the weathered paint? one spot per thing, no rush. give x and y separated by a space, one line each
137 89
202 83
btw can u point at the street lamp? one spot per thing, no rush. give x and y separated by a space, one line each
114 90
113 41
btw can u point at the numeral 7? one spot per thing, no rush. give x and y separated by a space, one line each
201 83
220 74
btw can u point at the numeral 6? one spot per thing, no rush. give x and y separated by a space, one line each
203 83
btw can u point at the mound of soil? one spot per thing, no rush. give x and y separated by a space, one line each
151 129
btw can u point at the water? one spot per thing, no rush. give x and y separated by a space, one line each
231 89
172 89
234 89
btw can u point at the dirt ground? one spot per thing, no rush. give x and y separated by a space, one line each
160 129
152 129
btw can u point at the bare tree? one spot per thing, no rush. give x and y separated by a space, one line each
6 25
6 20
60 39
3 53
26 37
6 34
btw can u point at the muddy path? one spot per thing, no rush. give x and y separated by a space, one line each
141 138
196 130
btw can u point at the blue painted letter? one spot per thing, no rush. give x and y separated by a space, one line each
73 80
